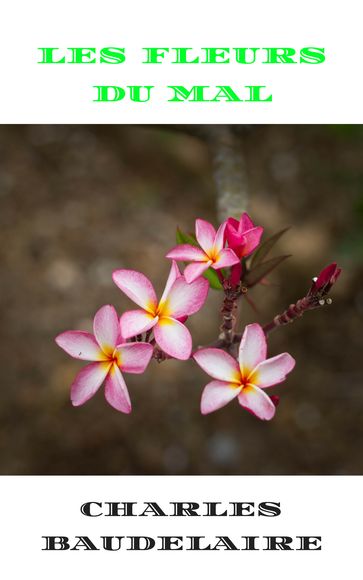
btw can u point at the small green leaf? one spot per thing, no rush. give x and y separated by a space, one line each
264 249
213 279
182 238
261 270
179 236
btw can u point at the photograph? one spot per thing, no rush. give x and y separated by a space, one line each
181 299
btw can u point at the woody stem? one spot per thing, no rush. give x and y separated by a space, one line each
228 312
291 313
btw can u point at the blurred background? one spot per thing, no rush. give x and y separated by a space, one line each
76 202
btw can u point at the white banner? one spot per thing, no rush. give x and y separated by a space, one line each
302 89
163 527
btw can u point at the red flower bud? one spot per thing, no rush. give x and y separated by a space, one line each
322 285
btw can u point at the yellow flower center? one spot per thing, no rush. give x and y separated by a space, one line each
213 255
113 356
248 377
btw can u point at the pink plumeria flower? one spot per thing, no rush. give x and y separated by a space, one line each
211 254
246 378
165 317
108 357
243 236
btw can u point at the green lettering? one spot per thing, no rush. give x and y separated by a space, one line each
47 54
312 55
136 93
227 93
277 55
242 55
255 94
196 92
213 55
112 55
182 57
104 96
82 55
153 55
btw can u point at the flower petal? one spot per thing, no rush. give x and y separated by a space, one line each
135 356
116 392
187 253
272 371
234 239
243 236
205 234
218 364
226 258
233 223
81 345
135 322
216 395
219 238
137 287
173 338
106 328
275 399
174 274
88 381
195 270
256 401
182 319
252 239
245 223
328 276
325 275
185 299
253 348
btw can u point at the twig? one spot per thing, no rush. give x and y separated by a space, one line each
295 311
228 312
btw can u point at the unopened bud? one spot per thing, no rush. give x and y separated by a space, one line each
329 301
321 302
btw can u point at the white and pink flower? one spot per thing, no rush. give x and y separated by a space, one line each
164 317
211 254
245 379
110 355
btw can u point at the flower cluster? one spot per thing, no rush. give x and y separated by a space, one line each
232 260
242 237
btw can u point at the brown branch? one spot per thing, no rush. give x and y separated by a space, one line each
228 311
295 311
229 170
